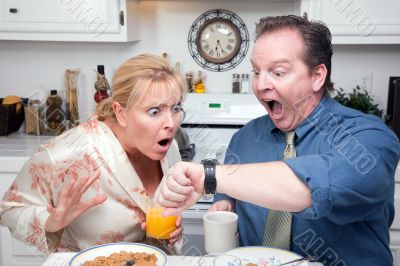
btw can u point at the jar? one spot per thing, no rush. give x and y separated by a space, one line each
245 86
236 83
200 88
189 81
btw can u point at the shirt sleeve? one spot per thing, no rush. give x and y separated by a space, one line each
230 158
351 182
24 206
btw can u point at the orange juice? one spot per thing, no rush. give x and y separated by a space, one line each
158 226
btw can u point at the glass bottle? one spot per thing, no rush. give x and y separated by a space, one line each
200 88
165 56
54 114
189 80
178 68
245 86
236 83
101 85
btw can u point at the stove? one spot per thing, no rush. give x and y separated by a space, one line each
210 122
212 119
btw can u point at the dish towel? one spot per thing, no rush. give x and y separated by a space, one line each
278 225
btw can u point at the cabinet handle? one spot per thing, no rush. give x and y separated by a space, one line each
121 18
13 10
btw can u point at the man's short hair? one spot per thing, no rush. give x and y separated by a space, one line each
316 36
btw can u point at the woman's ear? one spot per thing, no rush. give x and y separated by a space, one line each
319 76
120 114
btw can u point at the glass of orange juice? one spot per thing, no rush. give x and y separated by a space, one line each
157 225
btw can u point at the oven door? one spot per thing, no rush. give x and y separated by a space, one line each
211 141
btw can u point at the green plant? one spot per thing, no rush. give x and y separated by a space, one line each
358 99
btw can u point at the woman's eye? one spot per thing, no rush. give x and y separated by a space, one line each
153 111
177 108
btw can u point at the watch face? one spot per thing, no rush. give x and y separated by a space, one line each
218 40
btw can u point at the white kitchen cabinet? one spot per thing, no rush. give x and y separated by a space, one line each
69 20
12 251
357 21
15 150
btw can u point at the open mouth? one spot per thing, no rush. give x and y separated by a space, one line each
164 142
275 107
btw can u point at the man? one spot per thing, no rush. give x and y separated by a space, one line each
339 189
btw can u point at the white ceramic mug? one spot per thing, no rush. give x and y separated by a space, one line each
220 231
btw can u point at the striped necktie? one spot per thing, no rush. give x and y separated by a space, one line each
278 224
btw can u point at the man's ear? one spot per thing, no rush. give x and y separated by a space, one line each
318 79
120 113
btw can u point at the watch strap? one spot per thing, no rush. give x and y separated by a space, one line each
210 181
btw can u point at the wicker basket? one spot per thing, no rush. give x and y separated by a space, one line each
10 120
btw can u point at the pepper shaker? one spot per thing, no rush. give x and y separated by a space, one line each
236 83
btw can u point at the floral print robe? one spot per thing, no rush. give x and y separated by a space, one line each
87 150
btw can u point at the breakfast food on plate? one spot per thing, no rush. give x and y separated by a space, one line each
124 258
12 99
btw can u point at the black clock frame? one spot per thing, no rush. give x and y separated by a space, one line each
198 25
237 36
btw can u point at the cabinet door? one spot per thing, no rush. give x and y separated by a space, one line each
65 20
355 21
13 252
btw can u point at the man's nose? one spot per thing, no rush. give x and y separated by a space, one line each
263 82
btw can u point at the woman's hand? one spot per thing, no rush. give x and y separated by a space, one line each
177 234
70 205
222 205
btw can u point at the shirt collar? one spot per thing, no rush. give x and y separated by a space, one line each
323 108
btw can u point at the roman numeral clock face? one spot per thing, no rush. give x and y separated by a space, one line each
218 40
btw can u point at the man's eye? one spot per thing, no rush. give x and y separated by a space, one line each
279 73
153 111
255 73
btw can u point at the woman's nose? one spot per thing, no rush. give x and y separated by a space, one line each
171 120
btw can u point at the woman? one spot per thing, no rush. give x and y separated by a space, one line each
90 185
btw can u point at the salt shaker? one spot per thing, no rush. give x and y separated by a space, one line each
245 86
236 83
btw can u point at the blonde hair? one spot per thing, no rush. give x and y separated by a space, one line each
135 77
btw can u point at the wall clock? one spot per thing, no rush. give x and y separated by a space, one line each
218 40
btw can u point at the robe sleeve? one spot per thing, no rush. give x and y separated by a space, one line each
24 206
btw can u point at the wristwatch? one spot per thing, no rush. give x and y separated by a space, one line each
210 182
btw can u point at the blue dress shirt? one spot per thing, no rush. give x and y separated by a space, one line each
348 160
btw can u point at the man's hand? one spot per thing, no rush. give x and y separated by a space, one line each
181 188
222 205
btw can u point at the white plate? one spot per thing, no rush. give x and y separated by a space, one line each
261 256
108 249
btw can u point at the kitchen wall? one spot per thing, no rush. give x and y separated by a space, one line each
28 68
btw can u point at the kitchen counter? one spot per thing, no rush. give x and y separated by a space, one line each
16 148
19 144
